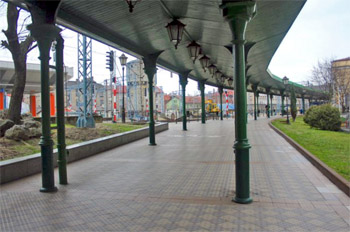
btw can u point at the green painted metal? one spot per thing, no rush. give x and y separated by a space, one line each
183 82
268 103
257 103
149 38
202 88
61 141
221 91
255 87
150 68
271 104
238 14
44 41
303 103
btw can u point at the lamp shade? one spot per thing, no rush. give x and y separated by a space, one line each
218 75
212 69
230 81
204 62
194 49
175 31
285 80
223 78
123 59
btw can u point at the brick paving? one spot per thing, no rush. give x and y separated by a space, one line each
185 183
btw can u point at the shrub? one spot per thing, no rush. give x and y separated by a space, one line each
324 117
309 114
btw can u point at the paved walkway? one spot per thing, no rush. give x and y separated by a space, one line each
185 183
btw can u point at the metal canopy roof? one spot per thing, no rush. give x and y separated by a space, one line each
143 32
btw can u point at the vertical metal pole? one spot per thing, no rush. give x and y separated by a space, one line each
271 104
268 104
303 102
106 99
150 70
255 110
84 81
202 87
257 104
238 14
44 41
183 82
61 142
221 91
151 118
123 107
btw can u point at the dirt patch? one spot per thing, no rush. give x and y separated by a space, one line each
83 134
6 149
11 149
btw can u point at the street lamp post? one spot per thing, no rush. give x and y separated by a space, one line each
123 60
285 82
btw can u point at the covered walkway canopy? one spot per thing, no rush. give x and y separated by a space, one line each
233 41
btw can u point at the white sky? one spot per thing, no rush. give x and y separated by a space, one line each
320 31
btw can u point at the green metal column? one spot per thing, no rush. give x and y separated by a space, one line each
271 104
268 103
238 14
303 103
150 68
44 41
152 137
257 104
255 88
201 88
221 91
61 141
183 82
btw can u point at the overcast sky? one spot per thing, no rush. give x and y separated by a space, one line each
321 31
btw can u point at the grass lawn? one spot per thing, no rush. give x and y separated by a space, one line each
13 149
332 148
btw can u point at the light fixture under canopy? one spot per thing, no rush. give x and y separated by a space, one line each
175 31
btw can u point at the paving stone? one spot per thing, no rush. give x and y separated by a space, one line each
185 183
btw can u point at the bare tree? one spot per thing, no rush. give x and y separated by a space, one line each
322 77
19 43
334 78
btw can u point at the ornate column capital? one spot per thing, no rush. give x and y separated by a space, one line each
150 64
238 13
183 78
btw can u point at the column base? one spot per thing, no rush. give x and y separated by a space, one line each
152 144
242 200
48 190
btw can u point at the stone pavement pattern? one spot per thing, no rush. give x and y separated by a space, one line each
185 183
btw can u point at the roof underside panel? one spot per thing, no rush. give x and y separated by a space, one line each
143 32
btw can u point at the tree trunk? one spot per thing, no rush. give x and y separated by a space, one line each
15 106
19 49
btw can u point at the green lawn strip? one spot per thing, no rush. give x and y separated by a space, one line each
113 128
331 147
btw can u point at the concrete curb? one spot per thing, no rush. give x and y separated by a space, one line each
17 168
334 177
